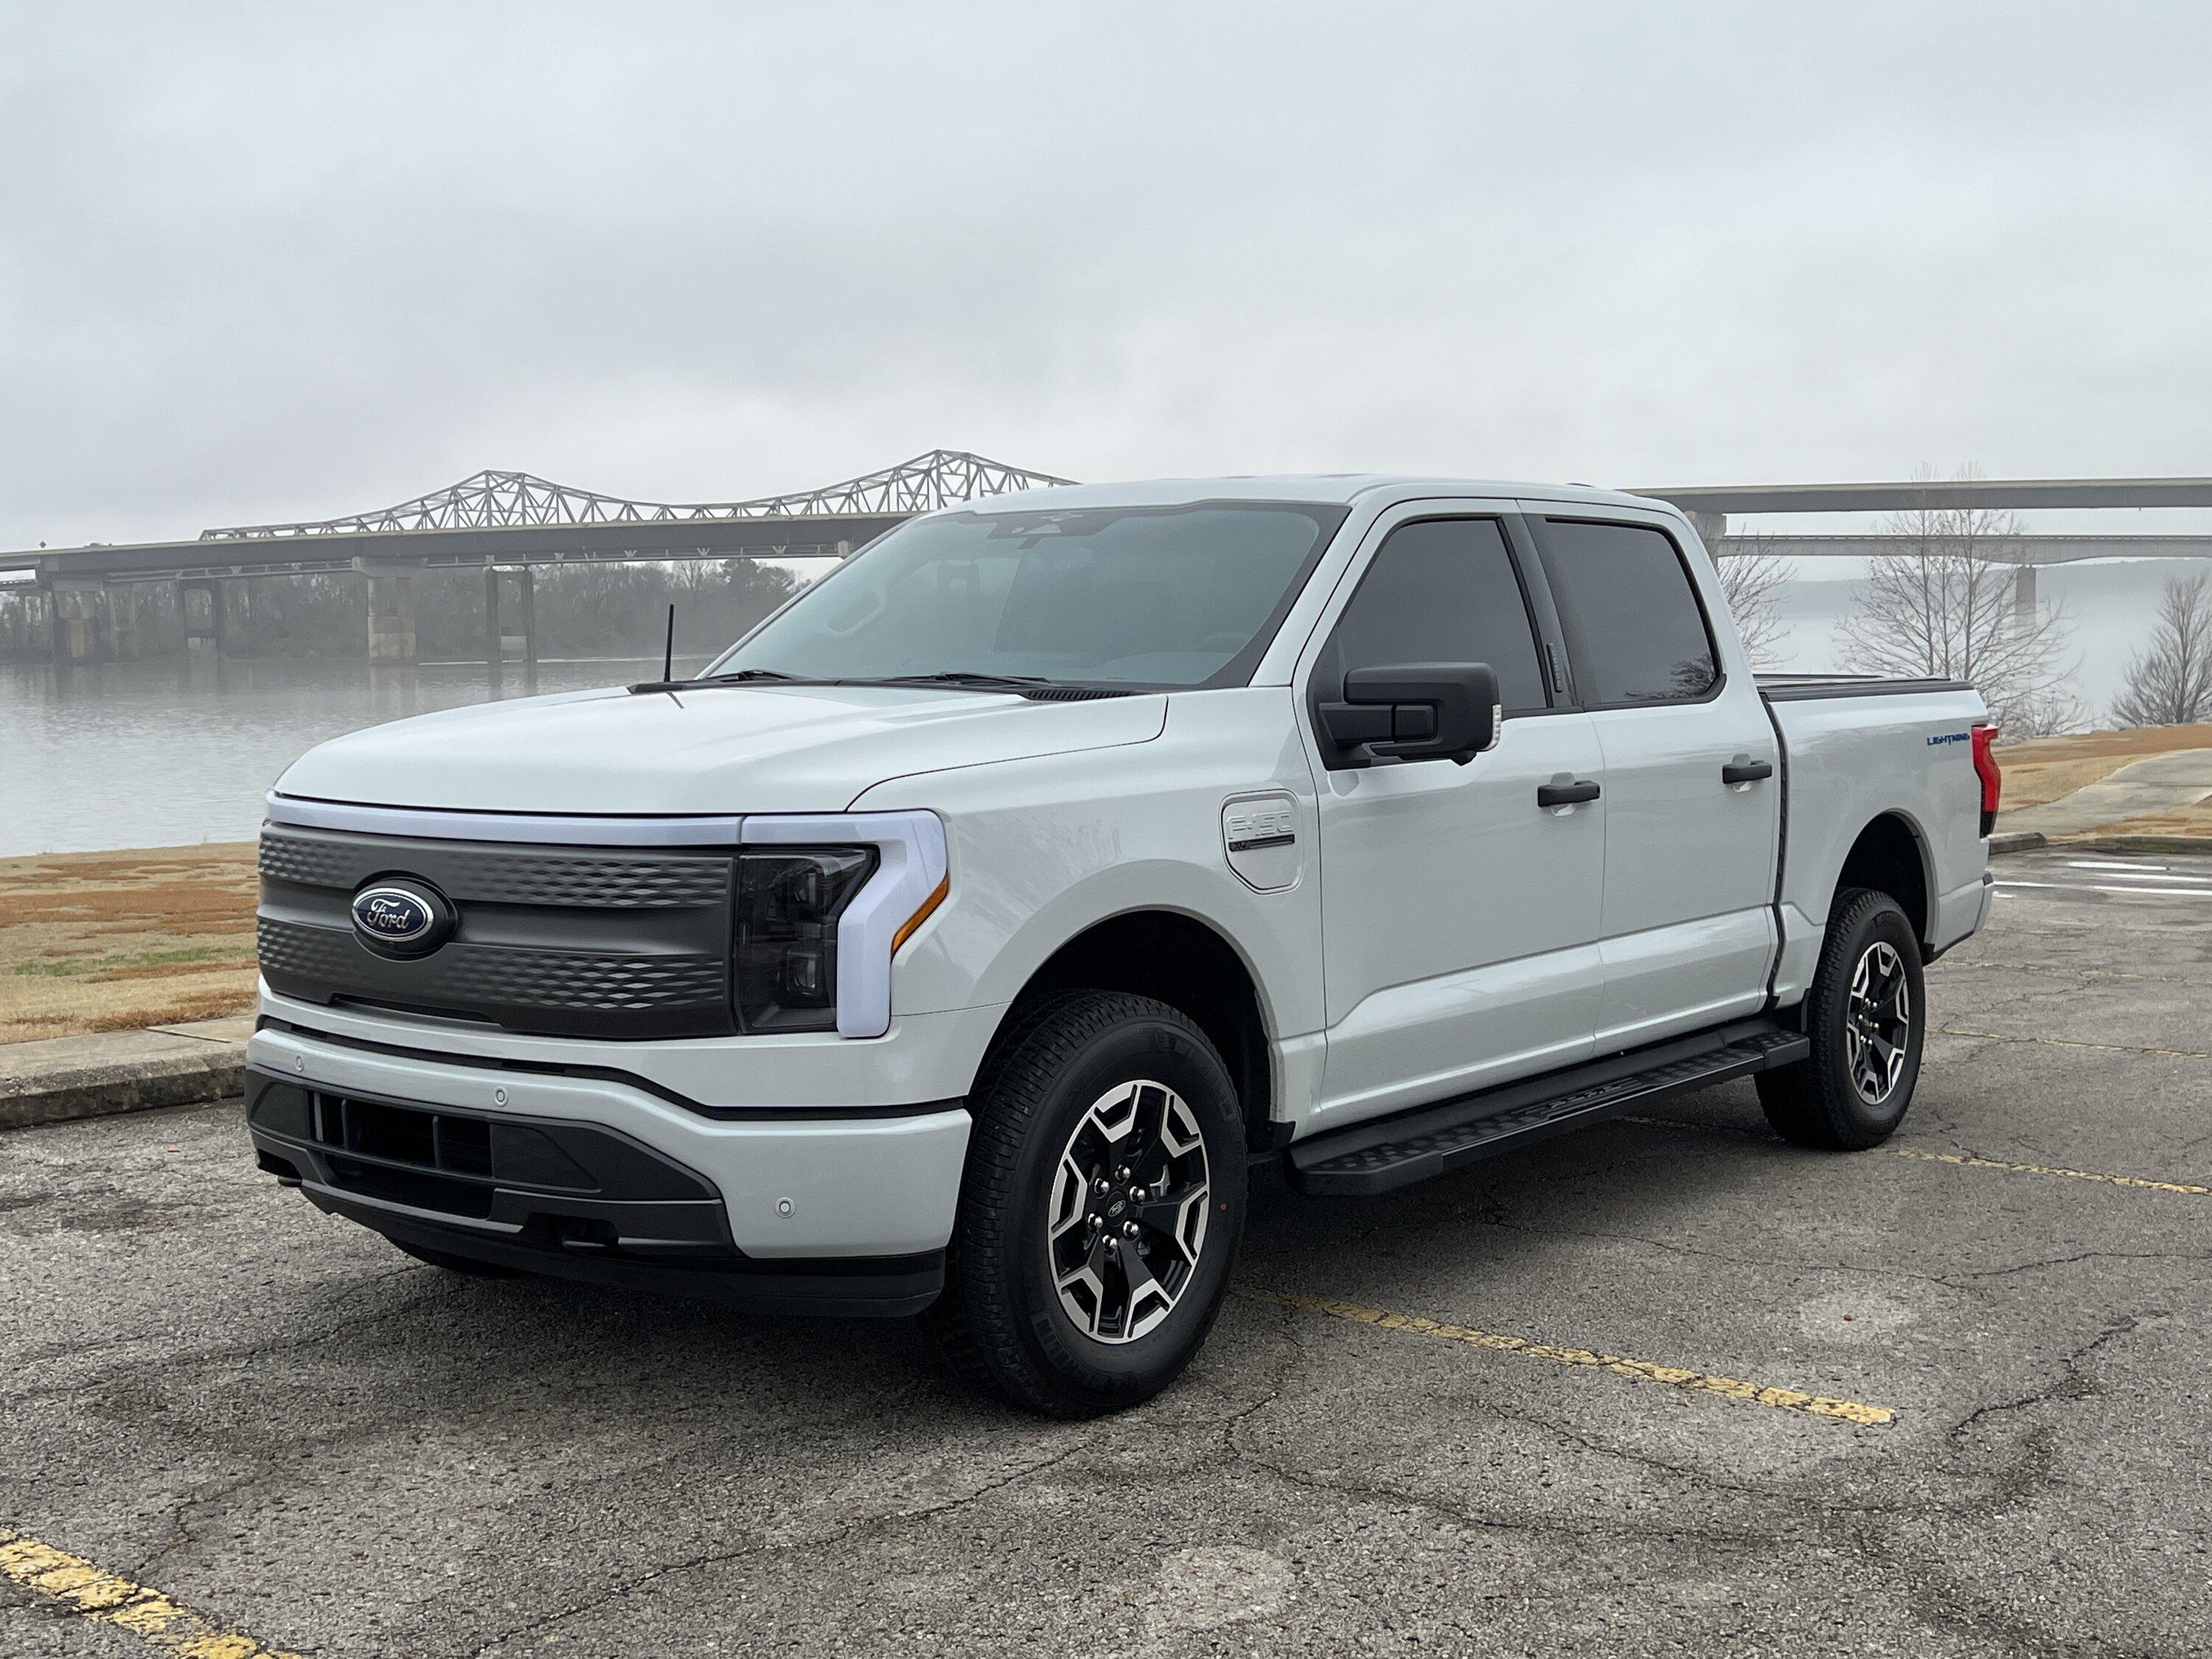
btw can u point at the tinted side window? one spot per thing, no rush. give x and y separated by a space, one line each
1441 590
1631 615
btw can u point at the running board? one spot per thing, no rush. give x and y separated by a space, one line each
1386 1153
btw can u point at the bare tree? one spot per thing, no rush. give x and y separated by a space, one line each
1944 605
2170 681
1752 575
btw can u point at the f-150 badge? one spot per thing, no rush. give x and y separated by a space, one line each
1261 833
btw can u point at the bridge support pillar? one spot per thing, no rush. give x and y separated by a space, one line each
73 618
199 609
116 613
2023 600
1709 526
391 610
511 636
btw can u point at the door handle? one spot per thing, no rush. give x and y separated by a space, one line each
1744 770
1566 794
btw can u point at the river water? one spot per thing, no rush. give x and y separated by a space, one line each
166 753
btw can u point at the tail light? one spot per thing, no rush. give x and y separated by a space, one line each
1985 768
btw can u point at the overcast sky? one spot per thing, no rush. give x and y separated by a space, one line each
275 262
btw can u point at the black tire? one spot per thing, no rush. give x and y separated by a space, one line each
456 1264
1001 1322
1819 1101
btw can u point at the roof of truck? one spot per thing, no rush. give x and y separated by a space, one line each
1337 489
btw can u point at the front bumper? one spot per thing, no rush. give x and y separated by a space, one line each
593 1177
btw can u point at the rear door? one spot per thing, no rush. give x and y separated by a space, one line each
1460 916
1692 821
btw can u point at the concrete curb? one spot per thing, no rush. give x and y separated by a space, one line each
2017 841
2196 845
64 1077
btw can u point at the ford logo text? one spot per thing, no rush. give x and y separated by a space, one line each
401 920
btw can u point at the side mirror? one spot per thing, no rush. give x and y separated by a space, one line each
1417 711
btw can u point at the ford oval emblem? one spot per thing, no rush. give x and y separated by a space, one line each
402 918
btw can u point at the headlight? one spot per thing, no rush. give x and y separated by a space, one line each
784 957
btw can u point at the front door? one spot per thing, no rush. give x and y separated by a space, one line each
1691 824
1460 916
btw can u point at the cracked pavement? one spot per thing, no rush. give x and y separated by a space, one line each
268 1413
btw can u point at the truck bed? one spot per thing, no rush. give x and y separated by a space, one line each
1844 761
1805 687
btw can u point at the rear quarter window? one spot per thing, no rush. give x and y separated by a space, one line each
1633 625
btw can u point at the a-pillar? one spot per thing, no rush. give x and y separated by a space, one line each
391 610
2023 601
73 615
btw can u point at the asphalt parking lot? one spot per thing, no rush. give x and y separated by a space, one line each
1670 1386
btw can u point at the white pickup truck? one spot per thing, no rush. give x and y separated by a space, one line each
958 941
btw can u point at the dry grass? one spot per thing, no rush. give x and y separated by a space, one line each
112 941
2181 821
2048 767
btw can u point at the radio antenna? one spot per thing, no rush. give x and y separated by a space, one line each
667 681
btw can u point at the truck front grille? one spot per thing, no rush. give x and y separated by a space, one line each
620 944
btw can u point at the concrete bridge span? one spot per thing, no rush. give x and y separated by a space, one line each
511 524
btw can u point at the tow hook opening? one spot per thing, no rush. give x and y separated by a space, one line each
576 1233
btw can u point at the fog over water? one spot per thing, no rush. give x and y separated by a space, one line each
165 753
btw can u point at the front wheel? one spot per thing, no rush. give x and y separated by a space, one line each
1101 1208
1866 1014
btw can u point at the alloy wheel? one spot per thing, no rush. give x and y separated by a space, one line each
1878 1023
1128 1212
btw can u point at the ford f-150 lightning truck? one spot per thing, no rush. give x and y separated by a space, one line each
958 941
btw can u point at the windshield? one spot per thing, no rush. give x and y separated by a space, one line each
1171 596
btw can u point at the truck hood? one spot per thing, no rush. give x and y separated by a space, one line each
714 750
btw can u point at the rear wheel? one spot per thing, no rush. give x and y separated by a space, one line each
1101 1208
1866 1014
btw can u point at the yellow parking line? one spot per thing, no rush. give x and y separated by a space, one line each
107 1598
1965 1162
1640 1371
1962 1160
2073 1042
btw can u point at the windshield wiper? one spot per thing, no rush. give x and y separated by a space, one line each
735 677
1035 687
974 677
